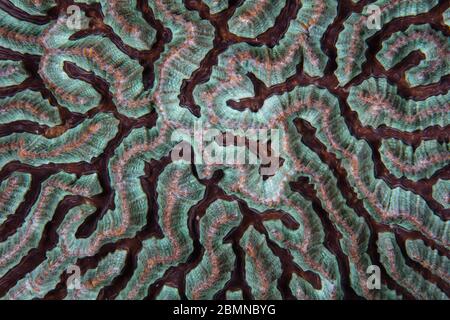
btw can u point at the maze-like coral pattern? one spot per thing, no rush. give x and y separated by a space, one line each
91 115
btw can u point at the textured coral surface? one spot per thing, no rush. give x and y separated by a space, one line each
91 115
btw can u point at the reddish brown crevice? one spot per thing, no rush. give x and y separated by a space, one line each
371 67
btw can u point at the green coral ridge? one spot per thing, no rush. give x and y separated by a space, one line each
234 295
12 191
168 293
39 281
92 54
423 162
254 17
352 41
34 7
218 262
446 16
192 38
216 6
430 259
126 167
270 65
309 255
303 290
28 105
124 20
378 103
441 192
88 138
158 255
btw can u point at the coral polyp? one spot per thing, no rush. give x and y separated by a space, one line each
177 149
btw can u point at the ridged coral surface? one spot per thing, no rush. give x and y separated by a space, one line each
92 116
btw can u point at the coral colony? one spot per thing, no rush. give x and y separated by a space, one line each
219 149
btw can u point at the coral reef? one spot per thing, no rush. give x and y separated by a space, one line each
107 190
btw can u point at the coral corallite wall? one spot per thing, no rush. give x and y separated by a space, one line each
215 149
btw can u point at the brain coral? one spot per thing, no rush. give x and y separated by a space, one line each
341 109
